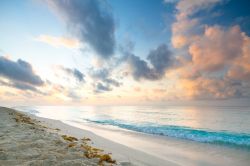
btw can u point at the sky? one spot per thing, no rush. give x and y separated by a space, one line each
95 52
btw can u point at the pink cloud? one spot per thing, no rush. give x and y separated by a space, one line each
215 60
216 48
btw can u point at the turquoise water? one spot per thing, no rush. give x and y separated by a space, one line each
217 125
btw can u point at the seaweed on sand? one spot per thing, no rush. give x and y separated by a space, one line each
85 139
71 145
107 158
69 138
24 119
91 152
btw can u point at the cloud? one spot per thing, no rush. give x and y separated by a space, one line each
78 75
215 59
240 68
217 68
24 86
89 21
160 59
102 88
19 85
213 88
140 68
212 51
187 8
186 26
74 73
179 41
59 41
64 92
20 71
19 75
74 95
103 77
113 82
170 1
100 74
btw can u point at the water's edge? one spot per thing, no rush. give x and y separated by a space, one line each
226 137
216 137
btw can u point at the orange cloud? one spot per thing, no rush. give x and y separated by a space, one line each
212 51
240 69
219 66
185 27
59 41
179 41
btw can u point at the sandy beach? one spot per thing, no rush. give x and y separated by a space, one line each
41 141
25 141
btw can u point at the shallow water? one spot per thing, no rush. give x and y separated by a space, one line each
229 126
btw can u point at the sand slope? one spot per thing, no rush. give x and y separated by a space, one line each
26 142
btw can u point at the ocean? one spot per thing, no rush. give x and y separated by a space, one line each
223 125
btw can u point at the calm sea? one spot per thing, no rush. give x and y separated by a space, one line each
220 125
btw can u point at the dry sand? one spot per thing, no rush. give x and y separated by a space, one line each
24 141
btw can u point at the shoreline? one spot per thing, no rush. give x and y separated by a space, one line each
179 151
40 146
123 154
161 150
27 141
133 148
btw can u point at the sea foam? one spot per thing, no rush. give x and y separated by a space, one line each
199 135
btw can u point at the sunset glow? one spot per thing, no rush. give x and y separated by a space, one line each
100 52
